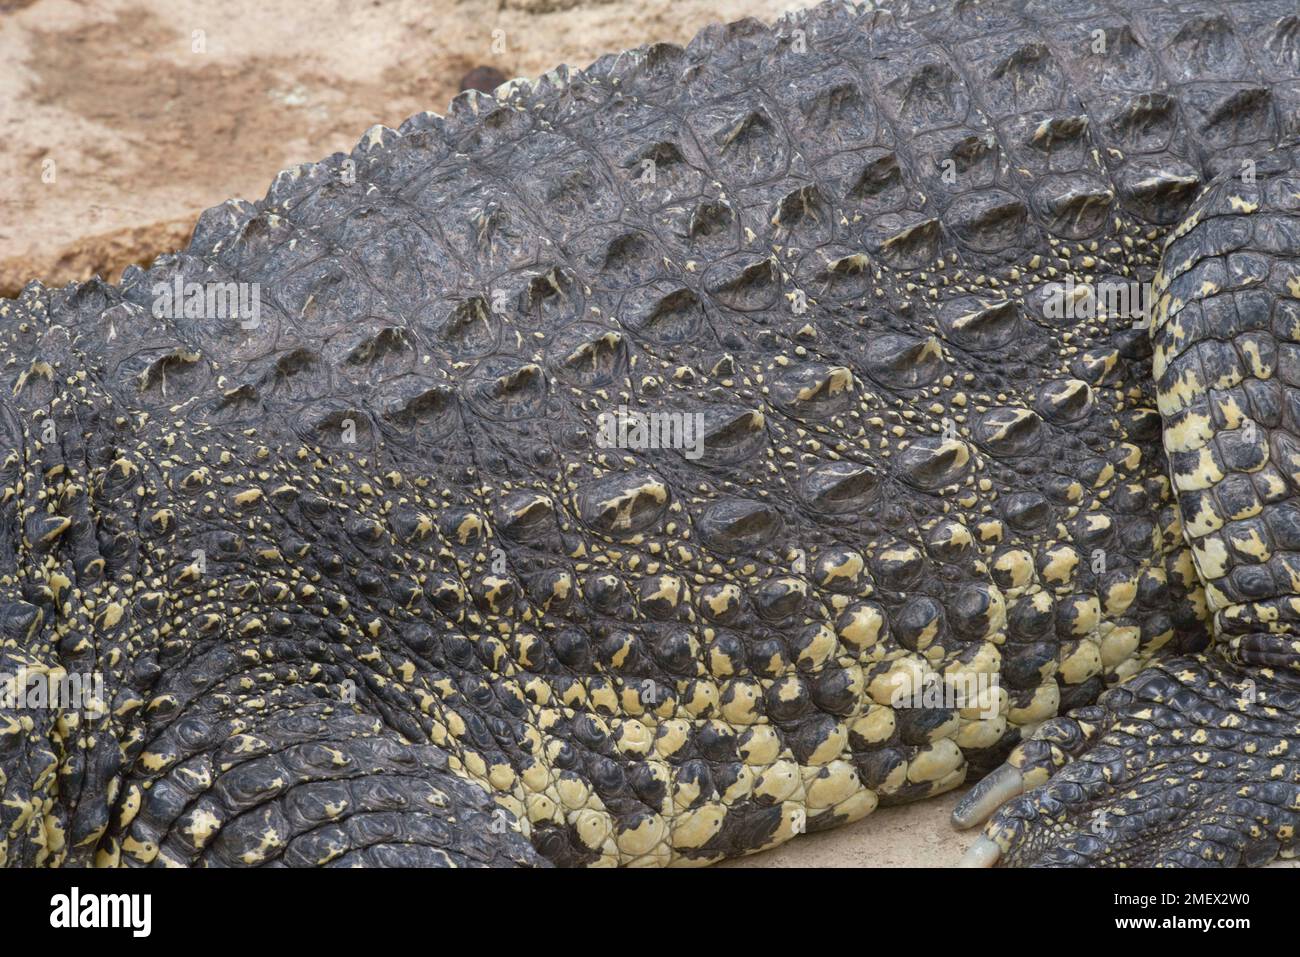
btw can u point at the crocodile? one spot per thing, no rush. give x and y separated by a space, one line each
648 464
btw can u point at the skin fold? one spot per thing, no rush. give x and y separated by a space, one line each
381 566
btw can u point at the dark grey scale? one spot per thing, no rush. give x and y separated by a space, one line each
739 526
1075 205
981 325
507 390
902 362
476 220
1243 451
834 570
767 655
623 652
321 296
731 434
744 283
956 154
549 589
918 623
919 726
832 692
841 488
526 517
831 110
373 357
1158 191
1242 538
801 645
834 274
947 541
365 531
1065 401
1286 325
608 595
804 215
905 241
655 163
810 733
1026 512
422 145
1283 522
1054 140
658 600
1142 425
919 86
1136 534
970 614
1026 664
897 569
872 178
875 766
463 326
215 227
707 225
589 355
1009 432
663 313
696 774
568 181
990 221
742 139
462 527
930 464
622 504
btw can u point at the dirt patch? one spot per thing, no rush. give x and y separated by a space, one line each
123 118
101 254
914 835
151 109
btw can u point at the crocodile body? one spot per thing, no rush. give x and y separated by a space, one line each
368 581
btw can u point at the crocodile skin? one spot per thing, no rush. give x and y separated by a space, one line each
366 586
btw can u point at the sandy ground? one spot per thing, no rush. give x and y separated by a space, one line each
122 120
915 835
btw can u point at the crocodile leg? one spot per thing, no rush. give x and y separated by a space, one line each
1195 761
1186 770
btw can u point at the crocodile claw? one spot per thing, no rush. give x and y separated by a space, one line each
1192 764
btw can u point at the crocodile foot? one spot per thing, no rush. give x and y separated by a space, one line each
1192 763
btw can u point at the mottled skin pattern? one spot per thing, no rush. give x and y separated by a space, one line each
366 589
